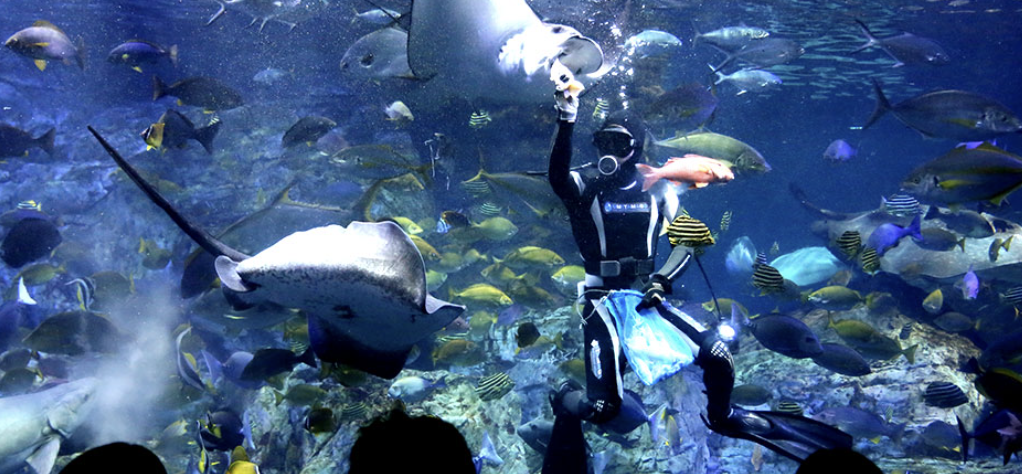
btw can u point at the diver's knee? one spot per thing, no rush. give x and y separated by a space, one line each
715 355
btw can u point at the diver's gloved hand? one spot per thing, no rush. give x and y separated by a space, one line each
566 105
654 291
568 89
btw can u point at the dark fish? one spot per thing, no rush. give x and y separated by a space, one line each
174 130
850 242
43 41
906 48
223 431
527 334
536 434
906 332
137 52
307 130
29 240
860 423
869 260
788 406
1002 386
690 232
901 205
266 363
15 359
954 322
320 420
999 431
205 92
767 279
944 395
960 176
765 53
784 334
16 142
842 360
941 436
1004 351
17 382
953 114
750 395
963 221
75 333
493 387
939 240
996 246
691 103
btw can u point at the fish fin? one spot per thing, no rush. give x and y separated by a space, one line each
227 270
910 354
961 243
137 69
41 64
882 105
173 55
43 458
649 175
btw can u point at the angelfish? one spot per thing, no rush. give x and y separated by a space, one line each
363 288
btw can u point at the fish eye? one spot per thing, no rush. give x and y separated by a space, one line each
557 29
367 60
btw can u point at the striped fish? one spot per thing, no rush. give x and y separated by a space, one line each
767 279
901 205
761 259
1013 295
788 406
479 119
869 260
476 188
489 209
725 221
850 243
354 411
602 109
689 232
493 387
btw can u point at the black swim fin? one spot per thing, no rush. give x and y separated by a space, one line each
792 436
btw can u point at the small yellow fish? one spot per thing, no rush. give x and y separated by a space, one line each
532 256
934 302
483 293
428 251
408 225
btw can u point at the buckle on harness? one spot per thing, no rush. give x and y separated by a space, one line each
610 268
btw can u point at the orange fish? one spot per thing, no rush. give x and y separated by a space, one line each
696 170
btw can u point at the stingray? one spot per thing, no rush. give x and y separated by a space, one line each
362 287
916 265
488 49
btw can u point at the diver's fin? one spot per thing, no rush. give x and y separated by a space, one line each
566 453
790 435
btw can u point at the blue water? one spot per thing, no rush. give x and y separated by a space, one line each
791 125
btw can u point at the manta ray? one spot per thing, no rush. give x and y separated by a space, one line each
490 49
362 287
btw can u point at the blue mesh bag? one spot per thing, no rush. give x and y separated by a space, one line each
654 347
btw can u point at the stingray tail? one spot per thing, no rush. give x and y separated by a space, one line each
201 237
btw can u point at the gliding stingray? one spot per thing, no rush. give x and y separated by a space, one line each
363 287
491 49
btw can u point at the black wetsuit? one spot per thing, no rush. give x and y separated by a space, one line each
616 226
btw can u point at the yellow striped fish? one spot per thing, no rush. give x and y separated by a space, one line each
725 221
850 243
767 279
689 232
870 261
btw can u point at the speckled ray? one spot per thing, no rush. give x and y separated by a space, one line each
452 43
363 287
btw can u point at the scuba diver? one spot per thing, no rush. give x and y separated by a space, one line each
616 225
